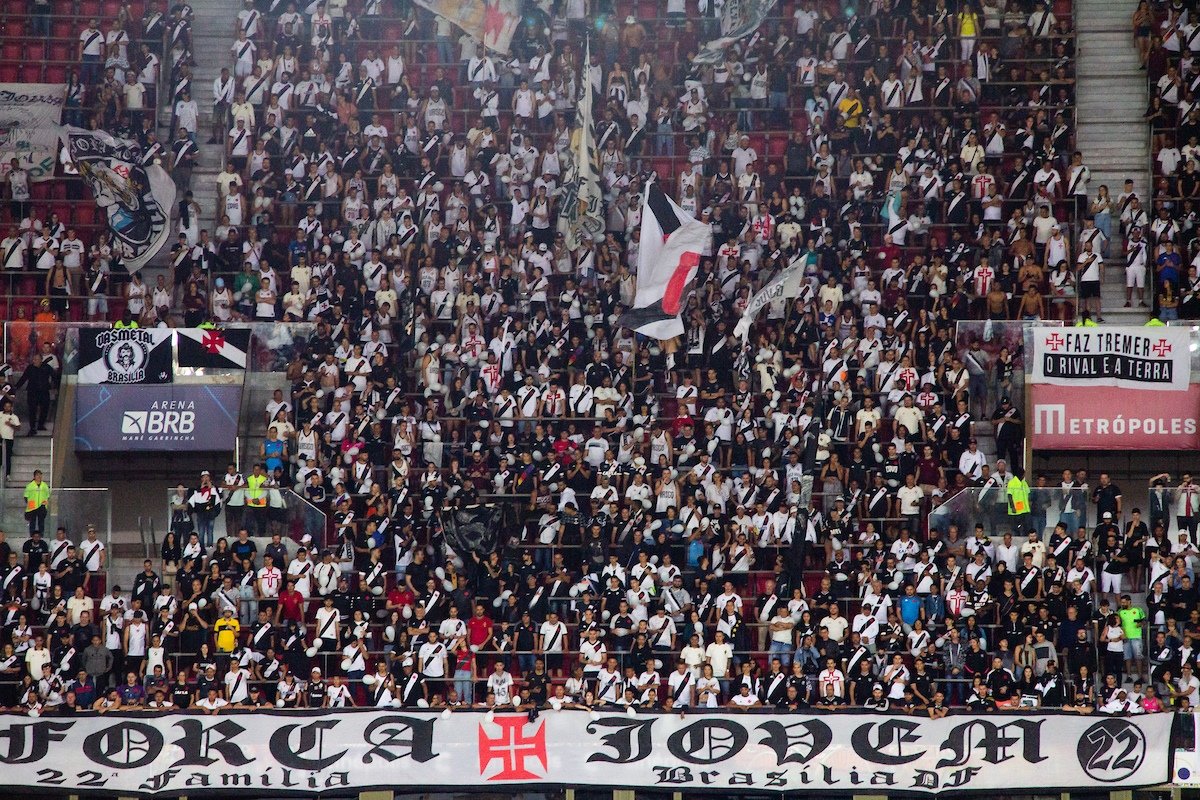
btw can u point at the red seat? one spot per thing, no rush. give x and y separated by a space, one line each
56 73
9 73
777 146
89 9
40 191
61 29
11 51
111 8
16 28
60 53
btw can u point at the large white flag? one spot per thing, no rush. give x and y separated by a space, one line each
672 245
492 22
783 286
582 201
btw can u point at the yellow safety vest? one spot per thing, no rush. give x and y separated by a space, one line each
1018 496
255 495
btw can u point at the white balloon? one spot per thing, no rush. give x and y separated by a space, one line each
368 680
630 711
203 603
448 586
389 633
446 714
279 703
720 573
422 703
377 590
406 612
516 701
346 664
311 652
33 712
474 648
593 715
192 606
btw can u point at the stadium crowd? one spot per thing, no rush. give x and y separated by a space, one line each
1164 233
694 523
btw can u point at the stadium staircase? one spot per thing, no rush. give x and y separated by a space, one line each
1111 131
212 34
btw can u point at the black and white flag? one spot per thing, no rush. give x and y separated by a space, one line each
136 199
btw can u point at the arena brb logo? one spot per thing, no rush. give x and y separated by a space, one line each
512 748
1112 750
165 419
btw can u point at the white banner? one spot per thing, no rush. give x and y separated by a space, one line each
30 115
739 19
283 752
1129 357
581 198
784 286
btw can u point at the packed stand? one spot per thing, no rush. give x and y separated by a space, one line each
1163 232
680 520
56 253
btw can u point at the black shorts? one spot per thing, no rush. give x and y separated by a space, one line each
1089 289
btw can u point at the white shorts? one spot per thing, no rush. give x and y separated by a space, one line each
1135 277
1110 583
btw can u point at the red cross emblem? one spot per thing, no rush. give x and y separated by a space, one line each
1162 348
512 748
213 341
1054 341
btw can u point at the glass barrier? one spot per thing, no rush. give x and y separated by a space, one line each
284 512
993 353
73 509
988 506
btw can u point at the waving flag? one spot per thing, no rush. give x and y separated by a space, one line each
672 244
213 348
739 19
581 197
492 22
136 199
783 286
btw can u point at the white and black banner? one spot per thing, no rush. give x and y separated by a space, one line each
739 19
1128 357
136 199
277 752
125 355
783 286
30 115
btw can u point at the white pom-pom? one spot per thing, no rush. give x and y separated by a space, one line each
192 606
377 590
422 703
279 703
369 680
389 633
311 652
406 612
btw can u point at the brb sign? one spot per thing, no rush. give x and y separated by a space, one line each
174 417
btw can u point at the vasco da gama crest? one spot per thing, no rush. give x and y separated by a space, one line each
136 198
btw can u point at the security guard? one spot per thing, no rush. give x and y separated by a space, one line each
1019 510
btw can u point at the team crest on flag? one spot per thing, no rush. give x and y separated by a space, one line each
492 22
136 199
213 348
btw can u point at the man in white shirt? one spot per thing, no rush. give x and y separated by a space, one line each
551 641
500 683
681 686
